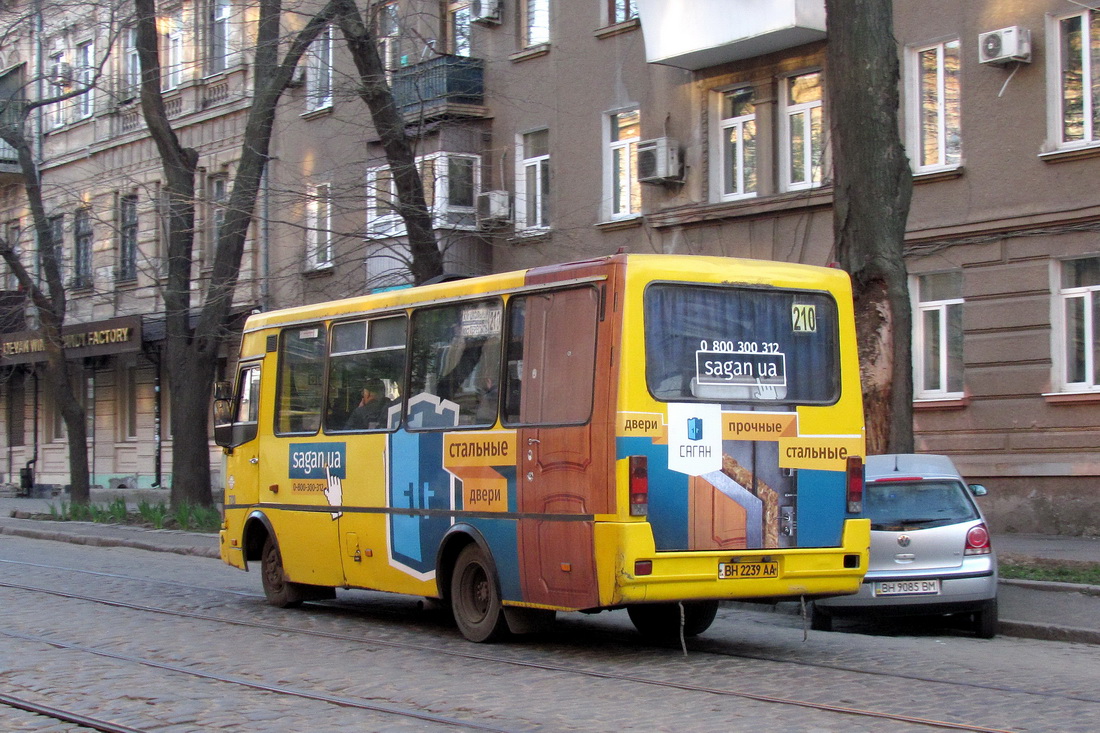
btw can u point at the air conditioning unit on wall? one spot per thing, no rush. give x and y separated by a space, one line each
659 161
485 11
1005 46
494 208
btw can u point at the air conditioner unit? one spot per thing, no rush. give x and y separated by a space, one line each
659 160
1005 46
494 208
485 11
61 74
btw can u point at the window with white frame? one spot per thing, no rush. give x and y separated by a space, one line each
536 25
737 143
935 132
938 336
319 72
1079 294
459 19
84 76
533 181
173 53
620 11
388 32
319 226
621 163
451 182
218 29
1076 61
802 146
55 113
131 66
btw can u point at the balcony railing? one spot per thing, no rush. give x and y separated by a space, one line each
446 86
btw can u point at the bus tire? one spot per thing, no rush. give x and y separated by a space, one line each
279 591
475 597
662 620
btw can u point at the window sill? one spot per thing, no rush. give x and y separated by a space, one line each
948 403
318 271
1072 398
615 29
937 174
1092 150
313 114
530 53
747 207
528 236
614 225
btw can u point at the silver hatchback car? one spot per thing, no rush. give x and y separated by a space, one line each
930 547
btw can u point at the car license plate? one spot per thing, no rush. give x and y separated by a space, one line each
907 588
748 570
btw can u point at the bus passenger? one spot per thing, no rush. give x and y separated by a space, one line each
371 412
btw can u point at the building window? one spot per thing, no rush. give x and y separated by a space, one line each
131 71
82 249
127 238
1078 74
127 404
1080 301
458 26
59 74
934 127
319 227
938 336
173 54
451 182
620 11
319 72
389 36
536 26
533 181
84 77
218 194
17 410
803 132
737 143
57 235
218 36
13 230
622 164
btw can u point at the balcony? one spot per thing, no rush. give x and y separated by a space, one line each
696 34
446 86
10 113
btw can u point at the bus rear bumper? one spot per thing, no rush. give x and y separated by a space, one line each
769 574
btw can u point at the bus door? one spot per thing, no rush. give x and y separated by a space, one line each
561 466
242 462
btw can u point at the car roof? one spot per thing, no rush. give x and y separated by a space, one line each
923 465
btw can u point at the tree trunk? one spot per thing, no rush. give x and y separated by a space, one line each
872 190
427 260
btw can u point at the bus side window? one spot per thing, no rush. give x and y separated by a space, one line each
551 357
301 368
455 365
366 356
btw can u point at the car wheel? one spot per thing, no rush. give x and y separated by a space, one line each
279 591
985 620
819 619
475 599
662 620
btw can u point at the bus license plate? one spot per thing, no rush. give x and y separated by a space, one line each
907 588
748 570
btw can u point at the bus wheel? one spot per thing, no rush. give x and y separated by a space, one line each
280 592
475 600
662 620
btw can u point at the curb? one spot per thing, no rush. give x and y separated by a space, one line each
1047 585
99 541
1047 632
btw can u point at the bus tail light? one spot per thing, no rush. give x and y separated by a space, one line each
855 485
977 541
639 486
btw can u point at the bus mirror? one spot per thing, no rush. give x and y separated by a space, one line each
223 411
223 390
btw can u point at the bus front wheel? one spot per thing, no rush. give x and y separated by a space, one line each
279 591
662 620
475 598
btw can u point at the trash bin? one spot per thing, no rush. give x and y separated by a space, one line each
26 480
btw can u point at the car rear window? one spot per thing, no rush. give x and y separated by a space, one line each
897 505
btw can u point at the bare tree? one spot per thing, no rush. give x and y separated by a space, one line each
872 190
192 351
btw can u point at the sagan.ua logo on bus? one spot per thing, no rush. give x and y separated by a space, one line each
309 460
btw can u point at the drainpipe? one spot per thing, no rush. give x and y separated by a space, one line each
157 432
265 235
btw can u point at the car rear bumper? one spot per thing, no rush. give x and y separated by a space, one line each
957 594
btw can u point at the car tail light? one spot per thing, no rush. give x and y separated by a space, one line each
977 541
639 486
855 485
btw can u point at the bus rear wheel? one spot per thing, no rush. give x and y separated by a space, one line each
279 591
662 620
475 597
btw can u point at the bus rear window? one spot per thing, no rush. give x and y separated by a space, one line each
741 344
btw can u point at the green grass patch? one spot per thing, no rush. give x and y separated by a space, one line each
189 517
1056 571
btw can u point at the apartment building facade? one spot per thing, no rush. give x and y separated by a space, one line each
549 130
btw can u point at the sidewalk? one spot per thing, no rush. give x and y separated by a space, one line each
1055 611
